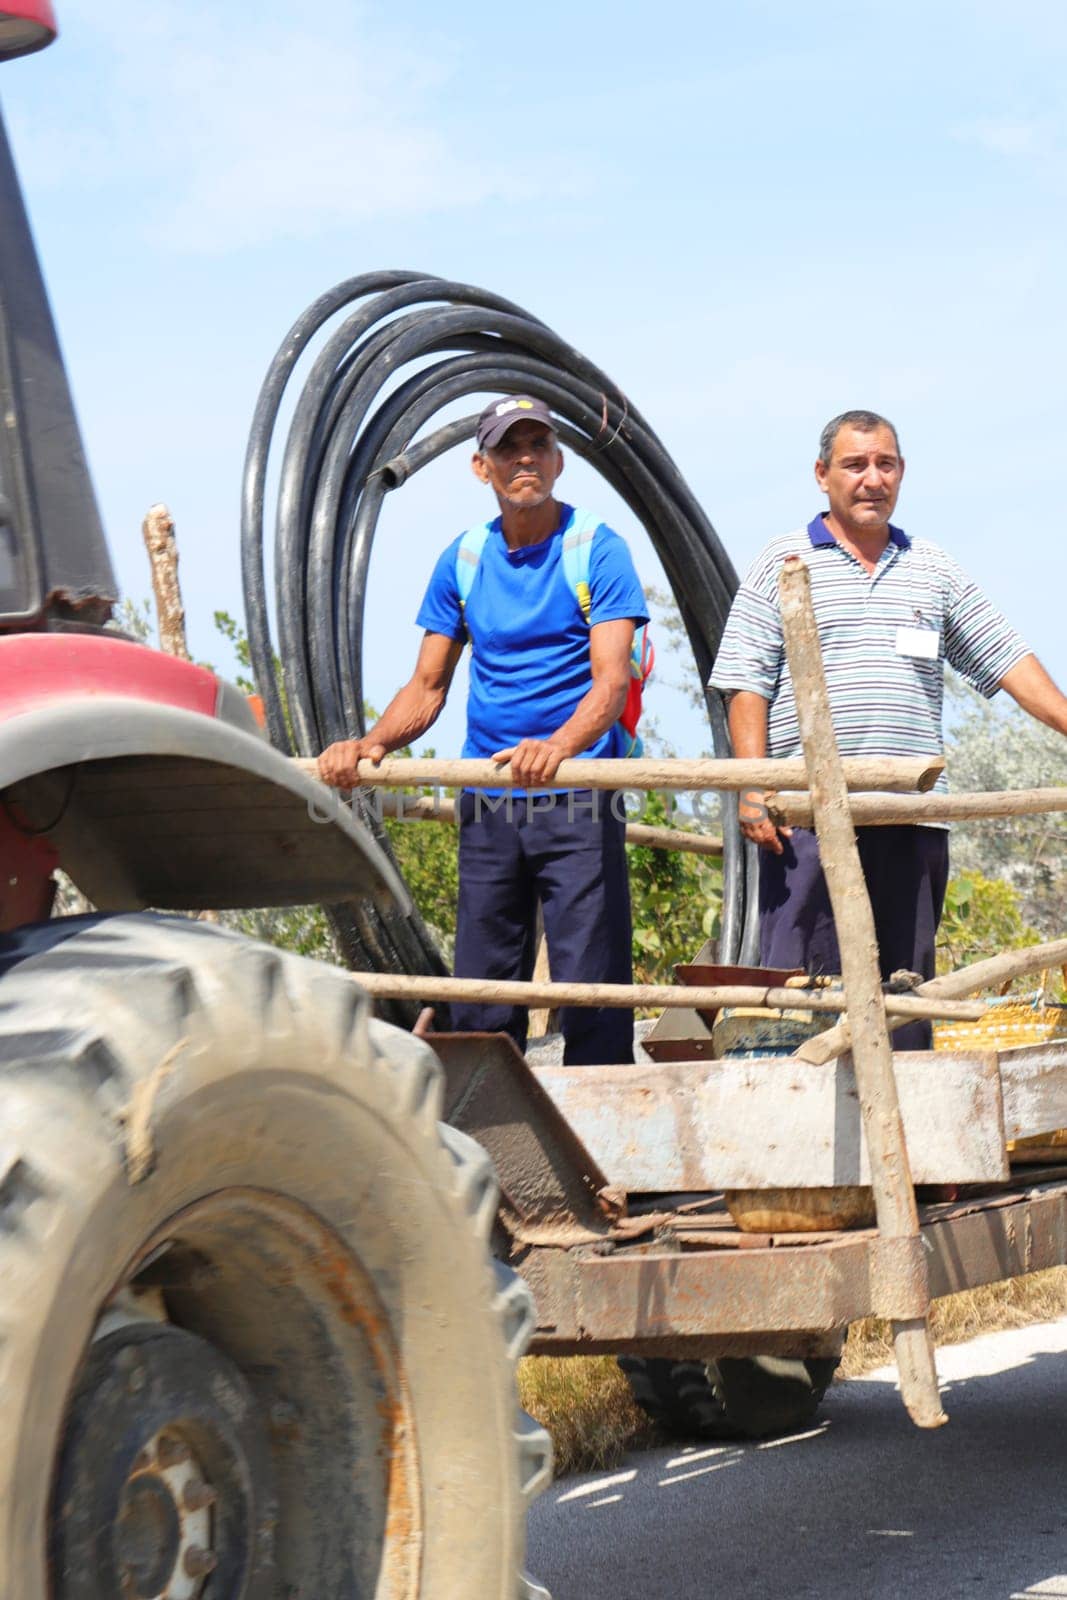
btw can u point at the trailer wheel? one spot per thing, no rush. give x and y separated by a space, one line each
252 1341
737 1397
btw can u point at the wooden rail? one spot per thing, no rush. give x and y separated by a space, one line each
508 992
883 810
895 773
436 808
988 974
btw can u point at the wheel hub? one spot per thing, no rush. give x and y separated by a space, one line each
163 1475
164 1529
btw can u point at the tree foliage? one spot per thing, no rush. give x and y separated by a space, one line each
237 638
1010 876
997 746
133 618
982 916
427 854
676 899
672 641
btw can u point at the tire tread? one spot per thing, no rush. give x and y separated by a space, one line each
135 986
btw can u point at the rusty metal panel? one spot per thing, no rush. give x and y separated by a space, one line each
779 1122
661 1298
709 1347
900 1289
657 1296
1000 1240
552 1189
667 1038
1034 1079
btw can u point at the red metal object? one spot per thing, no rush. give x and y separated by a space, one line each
702 975
39 668
25 26
27 863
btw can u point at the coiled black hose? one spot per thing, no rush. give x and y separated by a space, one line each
352 441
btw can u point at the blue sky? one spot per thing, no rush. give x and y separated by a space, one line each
751 215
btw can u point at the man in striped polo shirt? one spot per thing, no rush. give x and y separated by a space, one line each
891 611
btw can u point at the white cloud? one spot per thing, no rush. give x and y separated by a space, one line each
1037 146
1006 136
288 127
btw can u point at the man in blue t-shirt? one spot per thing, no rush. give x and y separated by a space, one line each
545 685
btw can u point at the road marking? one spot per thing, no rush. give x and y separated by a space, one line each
699 1472
687 1458
585 1489
793 1438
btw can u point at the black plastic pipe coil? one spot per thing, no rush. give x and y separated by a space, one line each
357 434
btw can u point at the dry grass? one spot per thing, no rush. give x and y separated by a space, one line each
586 1405
585 1402
1015 1303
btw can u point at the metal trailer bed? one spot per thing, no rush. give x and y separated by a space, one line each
615 1180
669 1273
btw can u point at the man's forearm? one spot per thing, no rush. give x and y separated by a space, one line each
408 715
747 715
598 710
1031 687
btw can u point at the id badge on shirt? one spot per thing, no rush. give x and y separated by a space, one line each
924 643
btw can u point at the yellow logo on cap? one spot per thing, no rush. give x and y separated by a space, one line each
524 405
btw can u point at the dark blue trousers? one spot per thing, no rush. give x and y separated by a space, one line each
568 852
906 869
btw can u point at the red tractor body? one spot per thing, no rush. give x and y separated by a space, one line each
226 1202
144 777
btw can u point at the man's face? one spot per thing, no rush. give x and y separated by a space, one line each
862 479
522 469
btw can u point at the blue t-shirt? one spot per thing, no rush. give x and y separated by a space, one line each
529 639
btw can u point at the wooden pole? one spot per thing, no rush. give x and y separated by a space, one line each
900 1242
988 974
697 844
508 992
432 808
883 810
158 532
541 1017
901 773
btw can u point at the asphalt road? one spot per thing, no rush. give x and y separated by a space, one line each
862 1507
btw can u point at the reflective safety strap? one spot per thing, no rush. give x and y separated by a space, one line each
577 551
467 558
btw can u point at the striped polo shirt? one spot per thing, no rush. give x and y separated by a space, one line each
885 693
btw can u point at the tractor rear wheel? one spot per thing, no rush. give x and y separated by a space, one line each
252 1340
737 1397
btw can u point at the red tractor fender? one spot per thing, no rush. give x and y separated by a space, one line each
148 781
38 668
25 25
